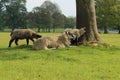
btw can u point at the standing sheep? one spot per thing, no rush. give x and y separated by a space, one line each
51 42
23 34
78 33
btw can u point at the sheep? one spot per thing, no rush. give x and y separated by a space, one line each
78 33
27 34
53 42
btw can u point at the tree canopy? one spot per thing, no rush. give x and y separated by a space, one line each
52 7
108 13
42 18
14 13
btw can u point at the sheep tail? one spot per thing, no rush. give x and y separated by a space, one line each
11 33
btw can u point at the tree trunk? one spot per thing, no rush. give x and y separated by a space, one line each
46 29
118 29
38 29
43 29
49 29
105 30
53 28
86 17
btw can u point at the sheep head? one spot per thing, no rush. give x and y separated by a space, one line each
35 35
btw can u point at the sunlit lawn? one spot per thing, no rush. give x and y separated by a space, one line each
112 39
75 63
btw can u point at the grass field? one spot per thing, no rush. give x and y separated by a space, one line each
75 63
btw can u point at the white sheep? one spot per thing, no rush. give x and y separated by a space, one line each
77 32
53 42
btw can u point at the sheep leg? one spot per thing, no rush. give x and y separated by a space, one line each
10 42
32 39
77 42
27 40
16 41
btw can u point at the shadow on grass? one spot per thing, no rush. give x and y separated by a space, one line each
13 53
107 48
17 47
23 52
15 56
67 59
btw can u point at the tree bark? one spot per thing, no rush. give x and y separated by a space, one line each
53 28
38 29
86 17
49 29
118 29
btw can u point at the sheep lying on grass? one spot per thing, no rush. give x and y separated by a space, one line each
23 34
78 33
54 42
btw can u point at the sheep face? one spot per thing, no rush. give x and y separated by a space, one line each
70 35
36 36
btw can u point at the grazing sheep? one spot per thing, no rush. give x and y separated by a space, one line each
78 33
53 42
23 34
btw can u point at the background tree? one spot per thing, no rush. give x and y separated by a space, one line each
16 14
52 7
115 9
0 16
31 20
107 16
86 17
58 20
2 13
70 22
42 18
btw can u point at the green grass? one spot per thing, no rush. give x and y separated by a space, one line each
112 39
75 63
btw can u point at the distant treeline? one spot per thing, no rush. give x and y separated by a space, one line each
14 14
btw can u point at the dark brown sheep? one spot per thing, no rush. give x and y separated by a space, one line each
23 34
